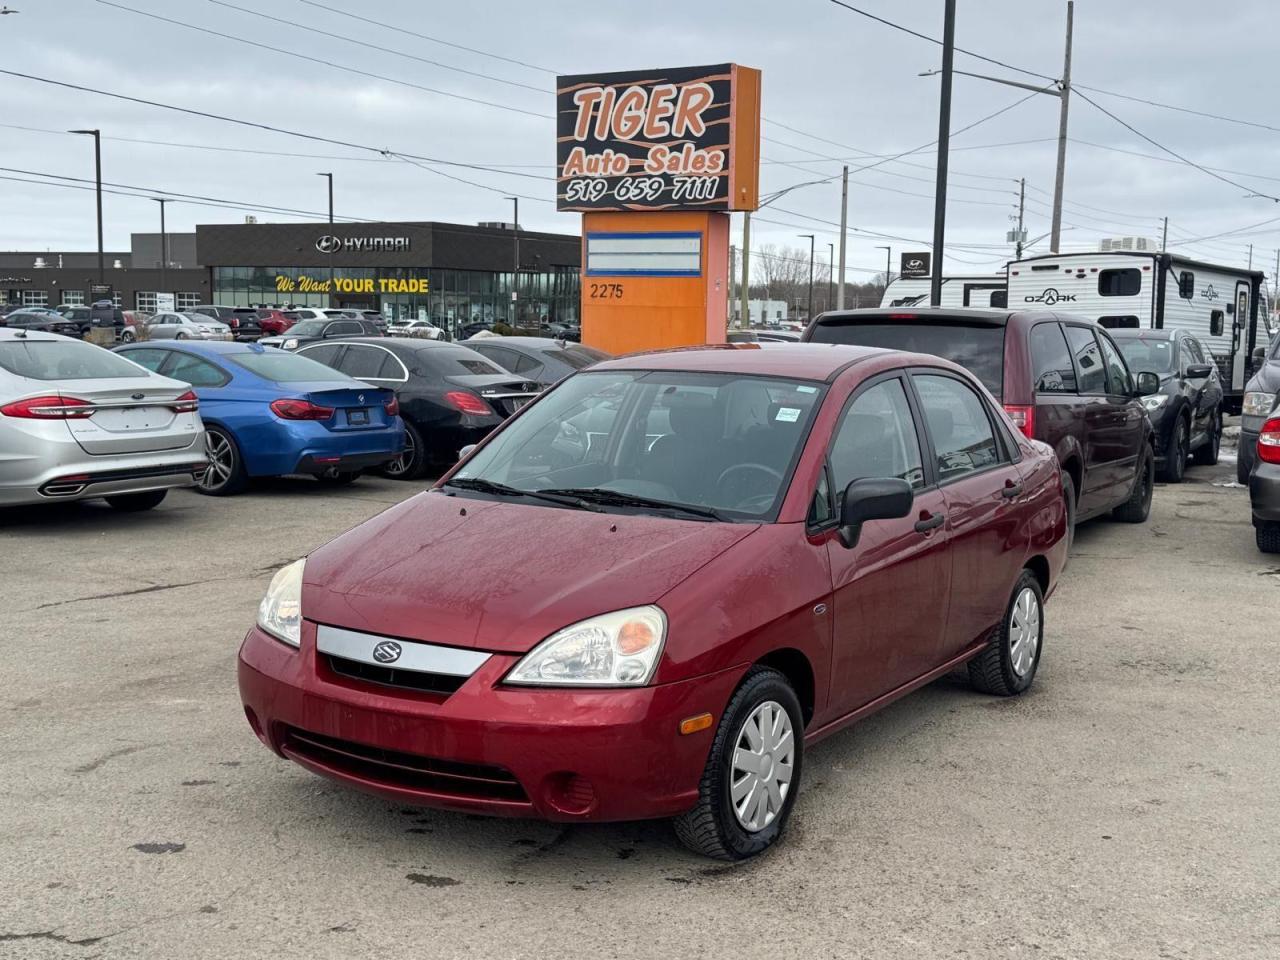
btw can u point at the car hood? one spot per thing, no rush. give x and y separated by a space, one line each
500 575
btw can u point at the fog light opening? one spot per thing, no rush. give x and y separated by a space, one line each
570 793
255 725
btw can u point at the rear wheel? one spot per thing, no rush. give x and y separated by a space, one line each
127 336
1008 664
1138 507
137 502
1176 463
753 771
410 463
1268 538
1069 498
225 474
1207 455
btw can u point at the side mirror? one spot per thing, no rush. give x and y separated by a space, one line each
1147 383
466 451
874 498
1199 371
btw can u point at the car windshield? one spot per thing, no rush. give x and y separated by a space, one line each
455 361
978 347
688 445
64 360
577 357
1148 354
281 367
308 328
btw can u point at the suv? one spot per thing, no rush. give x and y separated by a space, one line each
1062 381
1261 400
243 321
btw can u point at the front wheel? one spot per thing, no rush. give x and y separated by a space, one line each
1176 464
1008 664
752 774
127 336
1138 507
137 502
1207 455
1268 538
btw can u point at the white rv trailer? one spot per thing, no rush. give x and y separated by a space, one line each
1224 307
980 290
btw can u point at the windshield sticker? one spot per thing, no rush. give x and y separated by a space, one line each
788 414
806 389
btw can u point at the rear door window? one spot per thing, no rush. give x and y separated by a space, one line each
1091 377
1051 360
963 439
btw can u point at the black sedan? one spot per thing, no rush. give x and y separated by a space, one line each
450 396
313 331
1261 397
1187 410
43 322
540 359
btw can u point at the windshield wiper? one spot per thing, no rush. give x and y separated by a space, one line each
480 485
617 498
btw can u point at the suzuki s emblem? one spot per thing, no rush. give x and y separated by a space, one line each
329 244
388 651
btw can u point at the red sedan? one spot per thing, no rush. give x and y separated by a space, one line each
647 593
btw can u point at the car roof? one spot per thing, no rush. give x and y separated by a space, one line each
532 343
806 361
215 347
9 334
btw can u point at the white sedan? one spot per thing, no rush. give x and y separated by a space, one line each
415 328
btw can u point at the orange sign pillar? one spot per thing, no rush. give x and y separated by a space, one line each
654 279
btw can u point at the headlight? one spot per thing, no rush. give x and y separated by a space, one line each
1257 404
1155 401
280 613
618 649
290 343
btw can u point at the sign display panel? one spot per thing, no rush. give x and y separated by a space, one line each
644 254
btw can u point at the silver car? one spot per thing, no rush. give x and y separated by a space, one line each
184 326
79 422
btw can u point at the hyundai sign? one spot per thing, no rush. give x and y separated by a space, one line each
915 265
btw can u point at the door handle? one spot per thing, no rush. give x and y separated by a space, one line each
925 524
1011 489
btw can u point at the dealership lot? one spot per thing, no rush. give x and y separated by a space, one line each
1123 808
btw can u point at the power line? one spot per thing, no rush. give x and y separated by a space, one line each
888 173
1152 156
324 63
1170 106
473 183
294 25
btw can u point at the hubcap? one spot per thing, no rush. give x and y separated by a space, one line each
401 463
1024 631
763 762
221 461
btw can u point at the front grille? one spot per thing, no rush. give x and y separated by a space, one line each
405 770
445 683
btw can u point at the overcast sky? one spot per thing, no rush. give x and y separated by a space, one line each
827 72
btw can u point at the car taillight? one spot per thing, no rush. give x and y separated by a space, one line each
234 323
289 409
1269 441
467 402
187 403
392 406
1023 417
49 408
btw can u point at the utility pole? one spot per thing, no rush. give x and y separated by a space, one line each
944 146
1064 102
515 264
844 226
1275 287
164 246
329 177
1251 256
746 267
809 318
97 167
1022 203
888 264
1164 236
733 271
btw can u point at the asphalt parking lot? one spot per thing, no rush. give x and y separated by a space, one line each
1125 808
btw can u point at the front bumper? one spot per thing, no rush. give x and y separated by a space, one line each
558 754
1264 493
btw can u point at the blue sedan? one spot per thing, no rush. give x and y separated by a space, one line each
268 413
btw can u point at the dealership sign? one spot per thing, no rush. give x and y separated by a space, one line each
685 138
305 284
915 265
333 244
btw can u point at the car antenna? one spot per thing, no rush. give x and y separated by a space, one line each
20 334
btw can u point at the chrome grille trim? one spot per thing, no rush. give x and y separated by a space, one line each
415 656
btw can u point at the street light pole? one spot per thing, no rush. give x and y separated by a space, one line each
844 229
515 266
809 318
164 246
944 147
831 274
329 177
888 264
97 167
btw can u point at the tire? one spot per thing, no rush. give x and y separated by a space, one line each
1268 538
1008 664
225 474
1138 507
338 478
137 502
1243 467
410 464
1175 466
1207 455
127 336
180 336
713 827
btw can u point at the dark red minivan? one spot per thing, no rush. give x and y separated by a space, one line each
650 590
1061 379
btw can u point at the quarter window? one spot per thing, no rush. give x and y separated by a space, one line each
1186 284
1120 283
1052 360
963 440
195 371
877 438
1118 382
1091 378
